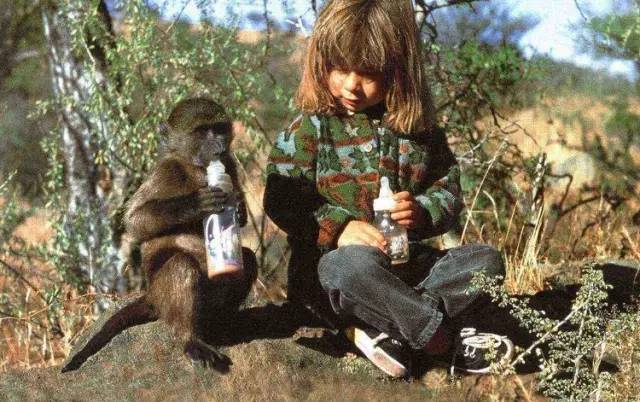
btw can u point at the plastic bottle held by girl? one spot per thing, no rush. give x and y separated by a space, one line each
221 230
394 233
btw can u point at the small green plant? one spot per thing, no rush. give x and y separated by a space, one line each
569 351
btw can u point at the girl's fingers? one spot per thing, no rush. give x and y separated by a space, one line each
373 233
410 219
409 223
403 196
368 231
408 213
362 241
373 237
398 216
365 234
361 233
404 205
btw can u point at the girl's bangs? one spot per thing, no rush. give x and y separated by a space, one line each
358 52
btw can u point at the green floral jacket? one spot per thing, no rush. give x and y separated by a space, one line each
324 171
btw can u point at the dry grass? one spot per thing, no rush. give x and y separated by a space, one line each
560 128
590 232
28 339
627 382
36 332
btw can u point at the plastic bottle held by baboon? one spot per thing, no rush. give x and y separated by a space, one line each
221 229
394 233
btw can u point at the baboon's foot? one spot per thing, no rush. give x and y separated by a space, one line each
200 352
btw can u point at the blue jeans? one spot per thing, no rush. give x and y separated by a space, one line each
407 301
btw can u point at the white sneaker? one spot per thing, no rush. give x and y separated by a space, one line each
472 350
386 353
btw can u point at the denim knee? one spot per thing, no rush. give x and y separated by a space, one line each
494 263
485 258
346 266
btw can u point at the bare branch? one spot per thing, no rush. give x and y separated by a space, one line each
584 17
428 8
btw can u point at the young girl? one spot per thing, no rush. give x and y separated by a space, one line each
367 113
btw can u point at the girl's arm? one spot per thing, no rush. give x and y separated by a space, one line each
291 198
442 199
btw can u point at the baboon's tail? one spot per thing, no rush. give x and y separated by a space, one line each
136 313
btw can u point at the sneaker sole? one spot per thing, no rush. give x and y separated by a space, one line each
378 356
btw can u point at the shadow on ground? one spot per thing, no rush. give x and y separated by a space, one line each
279 352
284 321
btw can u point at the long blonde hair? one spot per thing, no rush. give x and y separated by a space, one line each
369 35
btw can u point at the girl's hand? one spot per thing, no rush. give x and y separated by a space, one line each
362 233
408 211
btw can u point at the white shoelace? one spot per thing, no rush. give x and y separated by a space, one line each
473 341
376 341
480 341
379 338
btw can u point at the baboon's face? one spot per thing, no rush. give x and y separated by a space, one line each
210 142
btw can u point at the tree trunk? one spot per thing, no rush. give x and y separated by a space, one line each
86 215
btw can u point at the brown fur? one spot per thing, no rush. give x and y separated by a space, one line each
165 216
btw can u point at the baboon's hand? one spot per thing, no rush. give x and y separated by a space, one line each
211 200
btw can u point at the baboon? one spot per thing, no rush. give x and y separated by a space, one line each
165 216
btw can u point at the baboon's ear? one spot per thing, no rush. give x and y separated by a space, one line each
164 146
163 130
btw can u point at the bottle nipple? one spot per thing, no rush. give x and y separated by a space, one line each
217 176
385 190
385 199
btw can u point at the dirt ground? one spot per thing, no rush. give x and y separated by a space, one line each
273 355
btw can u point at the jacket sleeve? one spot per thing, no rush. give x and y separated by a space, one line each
442 198
291 198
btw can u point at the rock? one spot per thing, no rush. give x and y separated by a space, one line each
579 164
76 356
624 278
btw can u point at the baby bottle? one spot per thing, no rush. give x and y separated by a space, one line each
221 229
394 233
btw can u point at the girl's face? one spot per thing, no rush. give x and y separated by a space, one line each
356 90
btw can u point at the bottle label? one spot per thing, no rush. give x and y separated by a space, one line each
224 251
397 246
